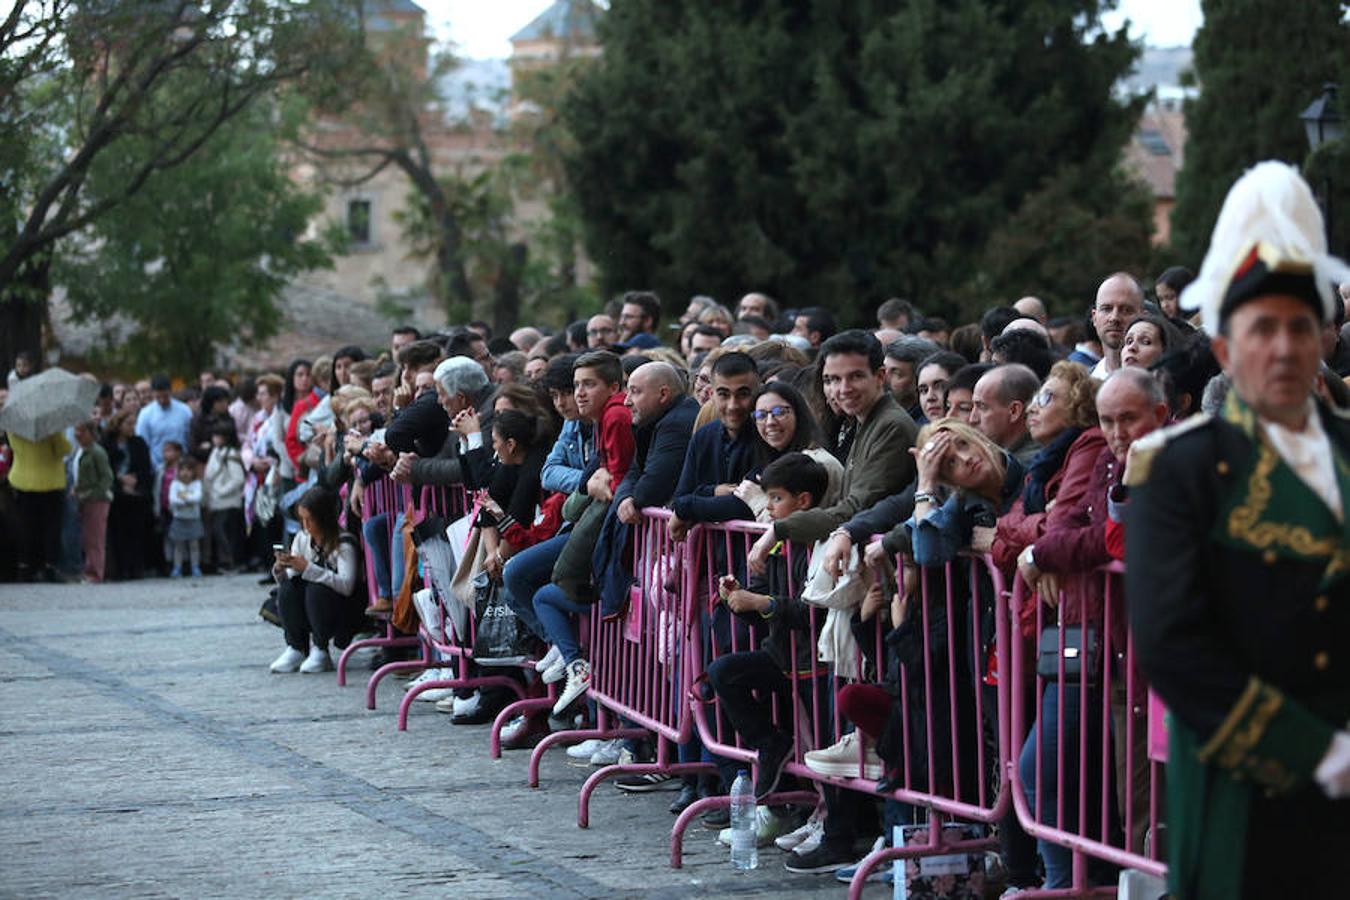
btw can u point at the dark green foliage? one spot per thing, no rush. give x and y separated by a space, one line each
198 257
1258 63
837 153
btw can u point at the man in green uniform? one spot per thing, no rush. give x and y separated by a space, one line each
1238 553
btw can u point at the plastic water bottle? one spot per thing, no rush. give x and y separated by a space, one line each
744 847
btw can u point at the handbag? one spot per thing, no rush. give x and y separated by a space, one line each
1082 653
500 638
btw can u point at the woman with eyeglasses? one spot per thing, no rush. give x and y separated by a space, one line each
785 424
1062 418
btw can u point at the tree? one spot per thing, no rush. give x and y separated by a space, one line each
80 80
837 153
198 257
1258 64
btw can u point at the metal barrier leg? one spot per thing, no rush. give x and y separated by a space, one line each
481 682
527 707
401 666
389 640
937 844
605 772
575 736
702 805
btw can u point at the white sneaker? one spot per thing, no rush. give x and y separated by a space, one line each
585 750
794 839
431 695
813 838
288 661
768 827
467 706
578 683
427 675
552 656
842 758
607 754
554 672
317 661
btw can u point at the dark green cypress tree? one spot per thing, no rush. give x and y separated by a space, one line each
1258 64
835 153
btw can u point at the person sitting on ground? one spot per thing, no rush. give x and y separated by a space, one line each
316 587
744 681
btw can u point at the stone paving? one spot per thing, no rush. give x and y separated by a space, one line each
145 751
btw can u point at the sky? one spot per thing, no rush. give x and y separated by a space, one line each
483 30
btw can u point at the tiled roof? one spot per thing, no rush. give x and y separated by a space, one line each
574 19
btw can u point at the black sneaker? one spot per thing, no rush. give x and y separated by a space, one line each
717 819
688 794
825 858
644 784
769 768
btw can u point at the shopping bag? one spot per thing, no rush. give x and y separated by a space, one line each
500 638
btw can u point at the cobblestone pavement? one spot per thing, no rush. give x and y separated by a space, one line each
145 751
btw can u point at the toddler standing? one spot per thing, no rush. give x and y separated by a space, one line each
186 531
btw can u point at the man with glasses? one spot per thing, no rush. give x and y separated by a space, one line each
1120 300
601 332
638 319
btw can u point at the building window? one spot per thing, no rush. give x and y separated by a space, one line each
358 221
1153 142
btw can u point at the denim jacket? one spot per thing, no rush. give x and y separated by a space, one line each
567 460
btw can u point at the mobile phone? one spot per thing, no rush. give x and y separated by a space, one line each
278 548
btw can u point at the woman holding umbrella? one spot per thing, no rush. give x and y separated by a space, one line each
34 420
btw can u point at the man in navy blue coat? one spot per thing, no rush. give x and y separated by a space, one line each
663 419
722 453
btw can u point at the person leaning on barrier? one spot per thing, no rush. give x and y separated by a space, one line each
878 462
1239 569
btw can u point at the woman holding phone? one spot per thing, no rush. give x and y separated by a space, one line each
316 586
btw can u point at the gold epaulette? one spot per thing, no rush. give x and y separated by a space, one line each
1144 450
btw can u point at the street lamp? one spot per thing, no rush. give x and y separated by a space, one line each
1321 119
1322 122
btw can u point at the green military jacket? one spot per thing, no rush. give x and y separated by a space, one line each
1239 602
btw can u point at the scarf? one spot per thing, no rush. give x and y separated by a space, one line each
1043 466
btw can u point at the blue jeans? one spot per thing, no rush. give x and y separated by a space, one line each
1088 785
524 575
557 612
383 552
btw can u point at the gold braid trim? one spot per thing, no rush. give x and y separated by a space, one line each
1244 727
1244 522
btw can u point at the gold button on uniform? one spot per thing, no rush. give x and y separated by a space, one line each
1321 603
1321 660
1222 467
1269 557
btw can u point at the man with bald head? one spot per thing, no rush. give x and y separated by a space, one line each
663 422
1032 308
999 410
601 332
1120 300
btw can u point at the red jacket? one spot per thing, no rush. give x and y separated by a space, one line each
302 408
1018 529
614 438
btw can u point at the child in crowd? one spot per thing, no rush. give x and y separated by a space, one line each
93 491
185 531
224 495
165 476
786 656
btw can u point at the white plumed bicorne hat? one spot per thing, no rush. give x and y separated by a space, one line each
1269 239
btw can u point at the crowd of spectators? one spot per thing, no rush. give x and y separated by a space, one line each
1010 434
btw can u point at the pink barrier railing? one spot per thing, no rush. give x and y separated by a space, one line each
383 496
638 662
1108 790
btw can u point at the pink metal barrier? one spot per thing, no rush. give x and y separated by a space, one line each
1108 792
638 661
384 496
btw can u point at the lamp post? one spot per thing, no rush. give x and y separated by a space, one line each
1323 124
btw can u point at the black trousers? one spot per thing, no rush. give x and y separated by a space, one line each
309 610
40 519
130 528
227 535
